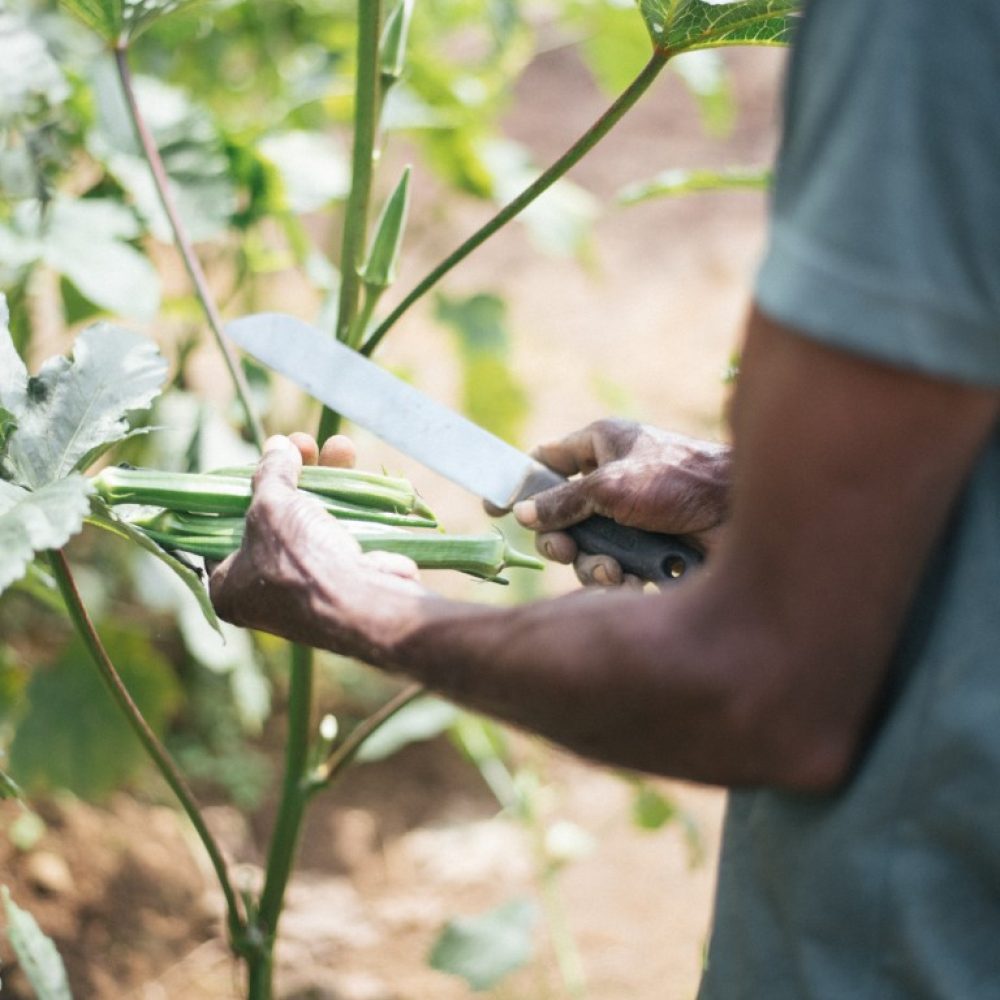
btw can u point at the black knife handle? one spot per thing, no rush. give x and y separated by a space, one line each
660 559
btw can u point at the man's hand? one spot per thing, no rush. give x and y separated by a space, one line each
638 476
299 573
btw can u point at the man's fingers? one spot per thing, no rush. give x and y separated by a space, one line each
307 446
599 570
570 455
556 508
557 546
217 586
338 451
395 563
278 470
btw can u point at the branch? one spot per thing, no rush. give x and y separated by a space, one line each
160 757
191 262
545 180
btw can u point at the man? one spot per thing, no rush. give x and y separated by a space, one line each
837 660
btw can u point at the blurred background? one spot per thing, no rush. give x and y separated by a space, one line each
621 292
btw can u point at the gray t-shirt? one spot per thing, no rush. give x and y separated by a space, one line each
886 242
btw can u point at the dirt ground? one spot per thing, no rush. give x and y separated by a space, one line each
647 329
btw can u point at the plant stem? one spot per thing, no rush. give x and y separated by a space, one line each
190 258
291 809
545 180
331 768
366 114
160 757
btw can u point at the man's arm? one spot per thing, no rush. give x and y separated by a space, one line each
763 669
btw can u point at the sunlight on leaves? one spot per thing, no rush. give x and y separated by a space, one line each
681 25
189 143
29 77
119 21
87 240
74 409
32 522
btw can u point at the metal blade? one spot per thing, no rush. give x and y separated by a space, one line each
397 413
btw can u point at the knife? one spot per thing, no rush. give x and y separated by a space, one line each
439 438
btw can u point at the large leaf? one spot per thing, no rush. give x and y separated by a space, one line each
121 20
681 25
73 409
30 79
189 143
72 735
31 522
484 949
87 240
37 955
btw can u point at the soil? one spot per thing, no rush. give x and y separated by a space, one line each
647 329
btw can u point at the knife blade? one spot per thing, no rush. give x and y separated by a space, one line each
438 437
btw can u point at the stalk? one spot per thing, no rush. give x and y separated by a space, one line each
157 752
328 772
366 113
190 258
288 827
545 180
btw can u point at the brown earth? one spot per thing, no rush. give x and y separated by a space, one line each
646 329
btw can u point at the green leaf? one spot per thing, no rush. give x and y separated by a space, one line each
672 183
87 241
72 410
122 20
484 949
73 735
189 143
36 954
103 517
492 394
32 522
30 79
681 25
421 720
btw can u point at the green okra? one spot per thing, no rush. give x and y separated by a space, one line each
215 537
343 492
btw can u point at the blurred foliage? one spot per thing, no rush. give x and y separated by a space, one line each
71 735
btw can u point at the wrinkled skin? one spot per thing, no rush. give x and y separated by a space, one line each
637 475
291 544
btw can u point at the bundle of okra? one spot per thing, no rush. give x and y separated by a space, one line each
203 514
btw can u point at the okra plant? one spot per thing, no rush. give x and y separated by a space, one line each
55 424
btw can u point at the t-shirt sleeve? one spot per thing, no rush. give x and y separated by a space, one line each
885 232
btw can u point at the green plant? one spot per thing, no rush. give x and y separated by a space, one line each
184 173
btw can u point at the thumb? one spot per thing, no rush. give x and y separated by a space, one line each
558 507
278 470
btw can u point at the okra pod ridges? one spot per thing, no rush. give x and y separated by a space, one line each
480 555
215 493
